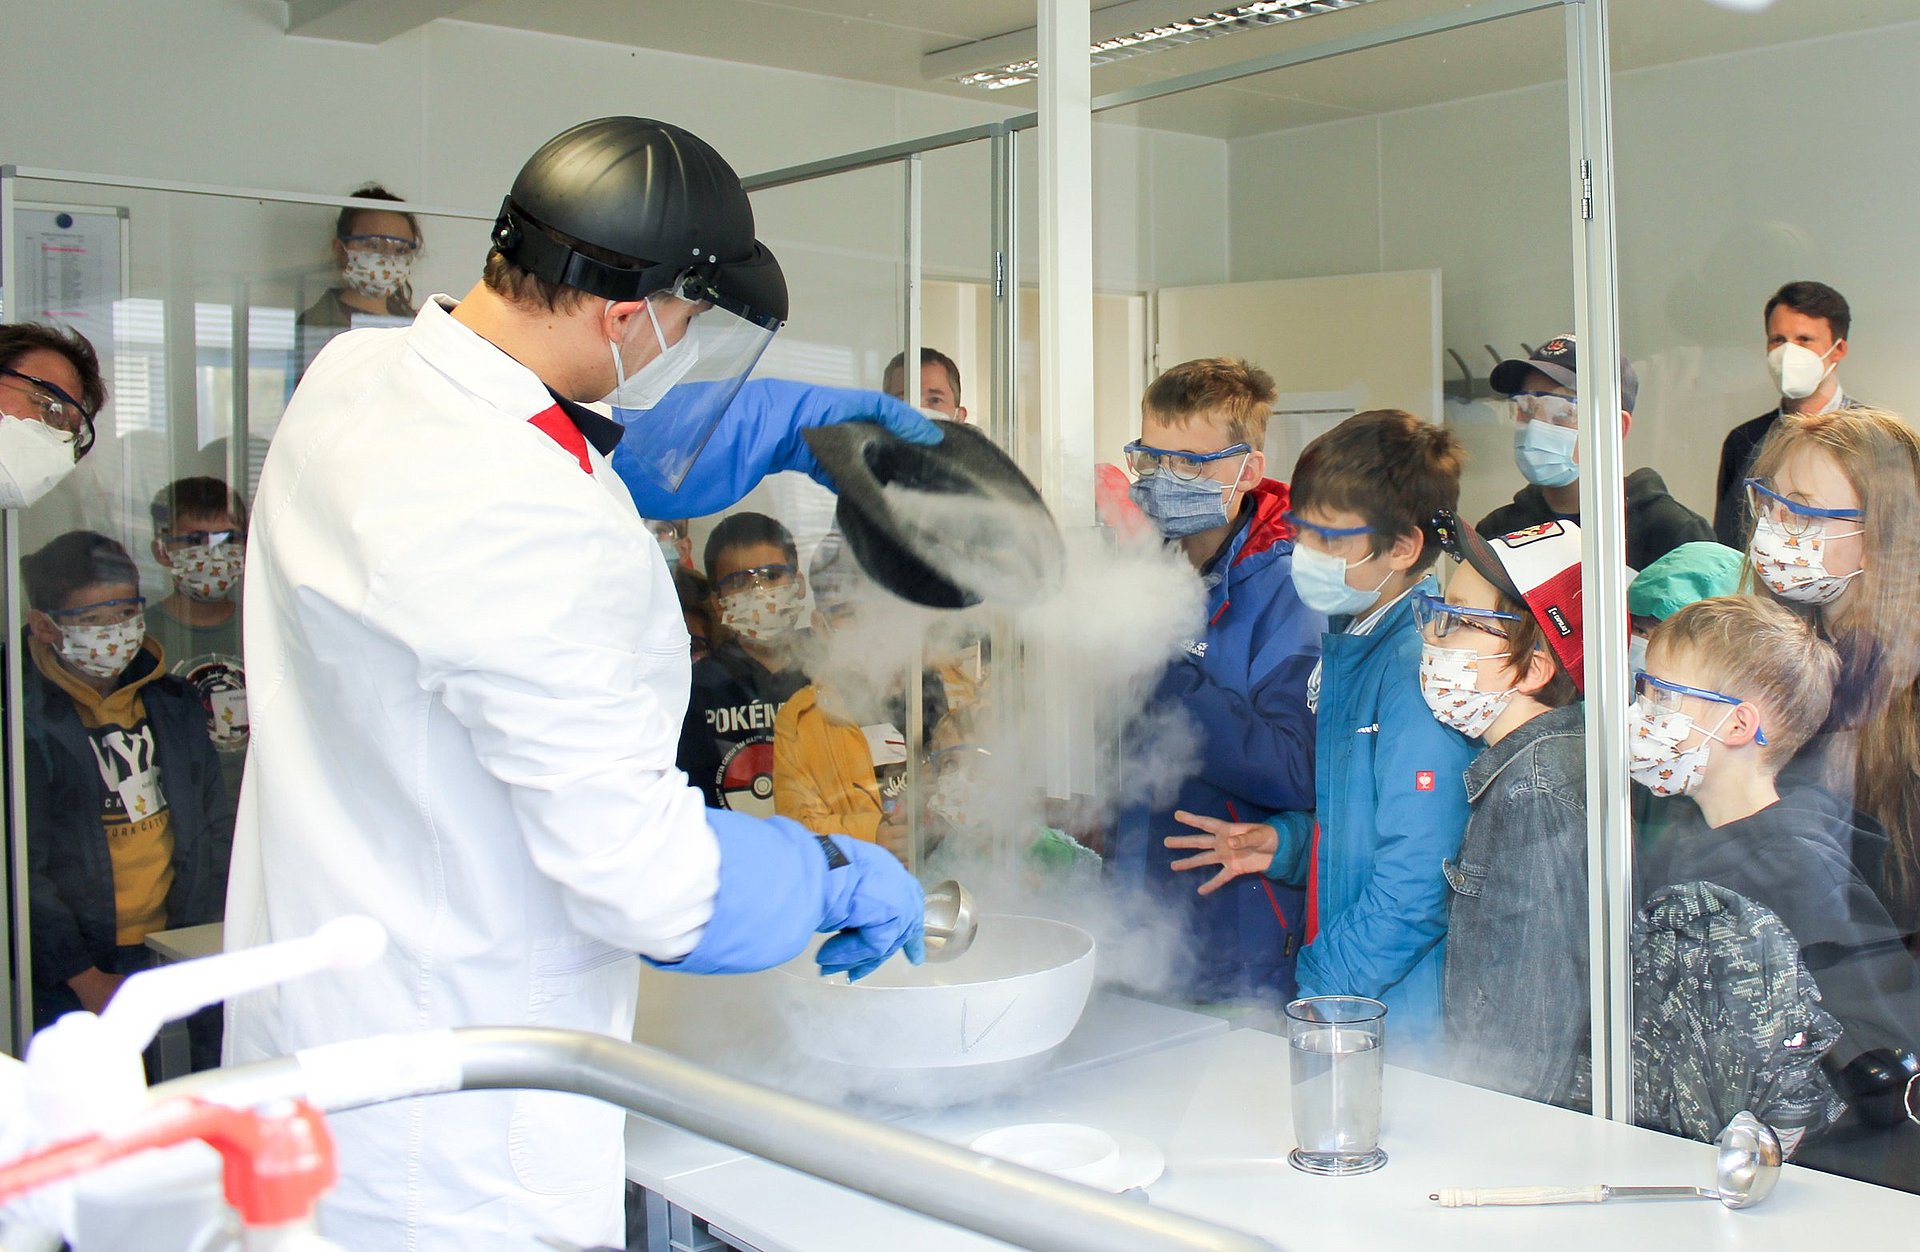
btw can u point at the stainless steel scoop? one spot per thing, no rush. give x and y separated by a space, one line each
1745 1170
951 922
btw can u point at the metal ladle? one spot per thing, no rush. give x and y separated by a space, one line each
950 921
1745 1170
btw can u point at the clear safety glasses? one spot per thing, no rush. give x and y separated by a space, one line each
1666 697
1796 517
1333 540
1188 467
749 579
1544 406
381 245
1438 619
202 538
101 613
51 405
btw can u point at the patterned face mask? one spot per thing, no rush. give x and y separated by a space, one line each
103 651
376 274
1795 566
1449 685
1655 758
764 614
208 571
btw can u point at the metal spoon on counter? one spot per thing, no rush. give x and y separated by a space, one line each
1745 1170
951 922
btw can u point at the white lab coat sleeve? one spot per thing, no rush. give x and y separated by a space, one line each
540 623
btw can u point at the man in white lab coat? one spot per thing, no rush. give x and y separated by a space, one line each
469 672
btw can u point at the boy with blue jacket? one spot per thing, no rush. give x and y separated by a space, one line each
1200 478
1389 806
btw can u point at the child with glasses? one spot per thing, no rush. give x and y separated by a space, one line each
1388 806
1836 539
1733 688
200 537
759 599
1200 482
1501 662
129 823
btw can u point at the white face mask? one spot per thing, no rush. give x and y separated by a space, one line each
1795 566
1636 655
1449 683
208 571
764 614
376 274
658 376
1655 758
1797 371
34 457
103 651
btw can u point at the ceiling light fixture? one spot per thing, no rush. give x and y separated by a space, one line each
1212 24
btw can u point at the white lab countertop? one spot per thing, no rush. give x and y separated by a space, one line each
1216 1103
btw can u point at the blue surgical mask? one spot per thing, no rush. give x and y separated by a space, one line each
1321 583
1544 453
1179 508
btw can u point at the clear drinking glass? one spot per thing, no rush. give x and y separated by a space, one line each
1336 1044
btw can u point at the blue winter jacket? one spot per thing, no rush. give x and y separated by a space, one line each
1391 811
1244 681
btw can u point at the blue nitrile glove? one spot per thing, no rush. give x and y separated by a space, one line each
780 884
759 434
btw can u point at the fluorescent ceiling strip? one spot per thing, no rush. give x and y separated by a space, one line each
1209 25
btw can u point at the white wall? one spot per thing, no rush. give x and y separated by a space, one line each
1735 174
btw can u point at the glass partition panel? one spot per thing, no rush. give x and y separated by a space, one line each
1372 232
203 311
1777 810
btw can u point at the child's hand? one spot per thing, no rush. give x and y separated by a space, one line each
1236 847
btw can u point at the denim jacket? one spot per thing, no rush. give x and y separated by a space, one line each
1516 976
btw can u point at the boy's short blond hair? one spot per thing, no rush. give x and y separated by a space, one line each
1755 649
1229 393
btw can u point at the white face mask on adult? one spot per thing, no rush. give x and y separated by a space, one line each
1797 371
34 457
657 377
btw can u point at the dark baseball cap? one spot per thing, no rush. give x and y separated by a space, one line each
1555 359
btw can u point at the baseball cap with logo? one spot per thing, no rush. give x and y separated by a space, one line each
1555 359
1540 568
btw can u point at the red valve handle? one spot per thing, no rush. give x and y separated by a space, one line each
276 1161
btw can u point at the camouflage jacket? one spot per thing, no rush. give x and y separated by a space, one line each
1726 1018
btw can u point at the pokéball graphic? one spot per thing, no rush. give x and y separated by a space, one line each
746 779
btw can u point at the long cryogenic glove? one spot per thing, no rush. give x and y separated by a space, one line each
780 884
759 434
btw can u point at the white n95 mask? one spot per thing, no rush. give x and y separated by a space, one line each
1795 566
1797 371
34 457
1449 684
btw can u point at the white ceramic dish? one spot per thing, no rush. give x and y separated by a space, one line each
1082 1154
1014 995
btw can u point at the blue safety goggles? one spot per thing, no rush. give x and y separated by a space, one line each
1327 533
1147 461
1665 696
1794 516
1431 611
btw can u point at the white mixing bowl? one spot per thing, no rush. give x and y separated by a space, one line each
1000 1007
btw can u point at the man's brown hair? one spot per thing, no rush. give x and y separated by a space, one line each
1387 466
1227 392
527 289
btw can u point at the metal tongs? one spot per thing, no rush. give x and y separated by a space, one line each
1745 1169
